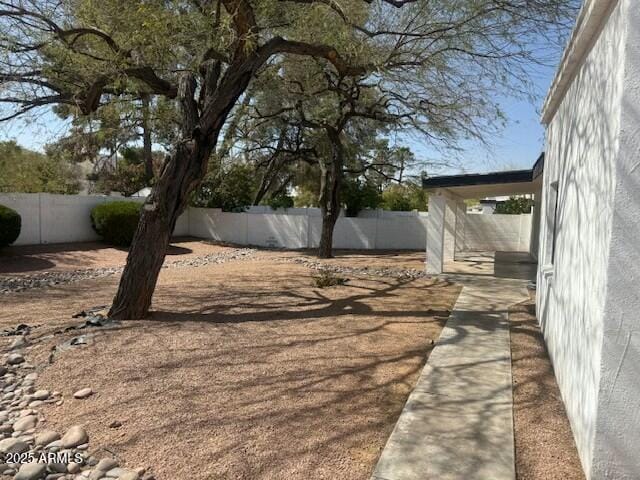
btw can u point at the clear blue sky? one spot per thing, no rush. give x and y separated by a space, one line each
518 146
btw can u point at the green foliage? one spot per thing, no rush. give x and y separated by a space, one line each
404 198
23 170
514 206
128 178
358 195
328 279
231 188
10 224
116 222
129 175
280 201
305 197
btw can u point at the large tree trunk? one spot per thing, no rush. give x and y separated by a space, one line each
330 184
170 196
181 174
147 152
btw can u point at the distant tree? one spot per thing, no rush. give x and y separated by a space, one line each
229 187
358 194
130 174
514 206
23 170
306 196
100 137
281 201
404 197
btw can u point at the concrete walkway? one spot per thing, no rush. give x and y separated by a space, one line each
457 423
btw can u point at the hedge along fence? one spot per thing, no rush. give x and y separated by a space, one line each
10 223
116 222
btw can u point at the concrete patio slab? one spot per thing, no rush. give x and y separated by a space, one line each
457 423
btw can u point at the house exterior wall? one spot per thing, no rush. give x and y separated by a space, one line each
618 423
583 146
534 238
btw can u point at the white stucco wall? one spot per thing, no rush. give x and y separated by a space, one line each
303 231
618 423
582 147
28 206
48 218
507 233
66 218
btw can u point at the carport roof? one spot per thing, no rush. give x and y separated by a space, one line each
480 185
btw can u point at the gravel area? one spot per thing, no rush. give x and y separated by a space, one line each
545 448
381 271
245 370
53 276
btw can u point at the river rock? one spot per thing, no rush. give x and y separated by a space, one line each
15 359
75 436
41 395
25 423
31 471
19 342
83 393
123 474
13 445
46 437
106 464
129 475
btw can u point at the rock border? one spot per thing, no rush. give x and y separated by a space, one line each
11 284
30 451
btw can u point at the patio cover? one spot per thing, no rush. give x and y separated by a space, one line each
480 185
447 209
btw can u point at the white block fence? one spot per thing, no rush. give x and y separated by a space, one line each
48 218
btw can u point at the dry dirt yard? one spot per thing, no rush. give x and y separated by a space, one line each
244 370
544 445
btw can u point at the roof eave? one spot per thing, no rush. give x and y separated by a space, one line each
591 19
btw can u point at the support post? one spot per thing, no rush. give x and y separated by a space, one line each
441 231
450 229
461 217
435 234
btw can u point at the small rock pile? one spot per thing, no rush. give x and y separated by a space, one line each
28 452
51 279
10 284
399 273
212 258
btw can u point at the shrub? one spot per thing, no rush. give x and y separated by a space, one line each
514 206
10 224
328 279
116 222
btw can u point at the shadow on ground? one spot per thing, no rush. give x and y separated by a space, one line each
248 371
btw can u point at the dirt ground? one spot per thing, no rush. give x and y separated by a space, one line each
245 370
76 256
545 449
